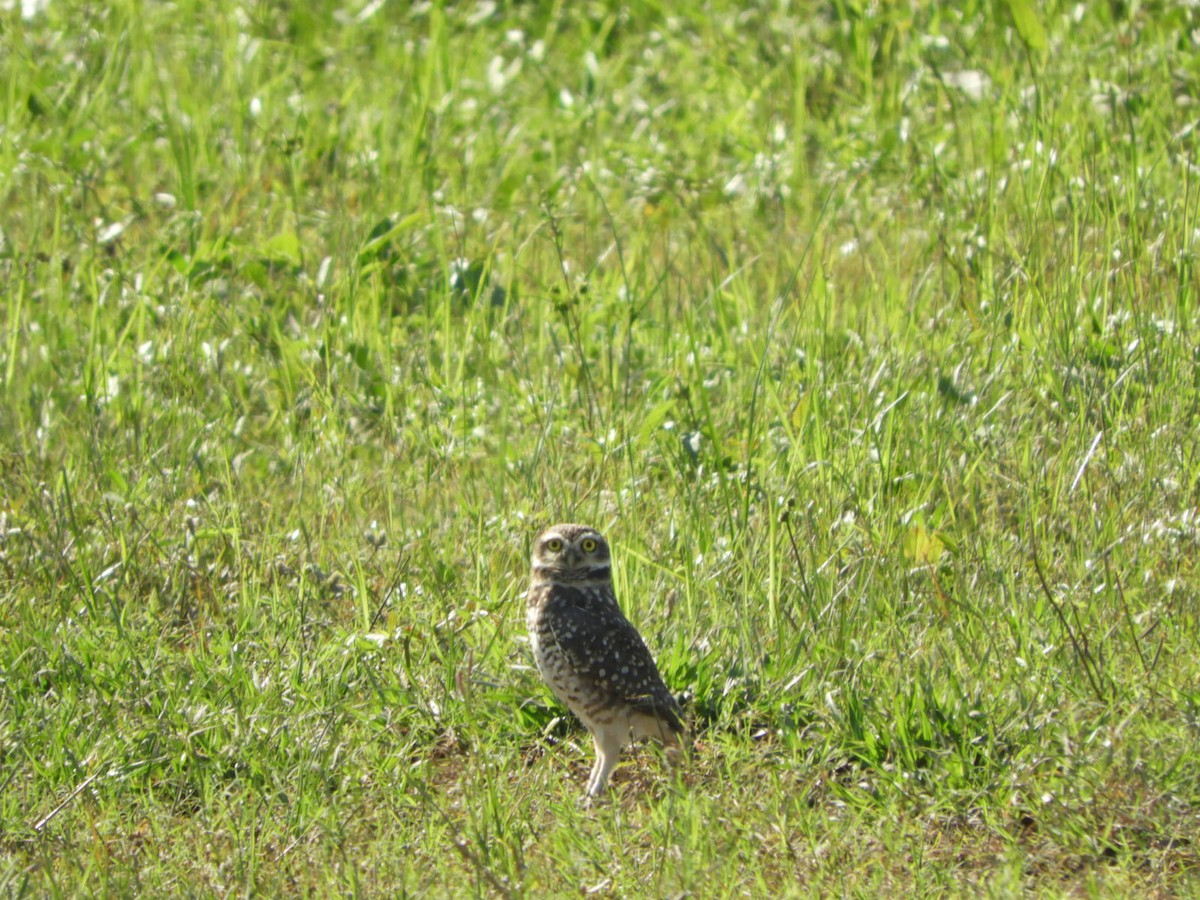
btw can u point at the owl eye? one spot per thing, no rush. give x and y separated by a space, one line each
554 545
588 545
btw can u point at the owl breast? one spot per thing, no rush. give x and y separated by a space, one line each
594 660
551 631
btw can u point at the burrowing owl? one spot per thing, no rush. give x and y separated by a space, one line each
591 656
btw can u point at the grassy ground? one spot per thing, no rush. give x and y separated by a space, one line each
867 332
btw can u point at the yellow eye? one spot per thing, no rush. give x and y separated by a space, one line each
554 545
588 545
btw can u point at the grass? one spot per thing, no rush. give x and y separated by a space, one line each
867 332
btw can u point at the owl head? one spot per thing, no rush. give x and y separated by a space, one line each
566 553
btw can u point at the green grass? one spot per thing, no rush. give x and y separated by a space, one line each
866 331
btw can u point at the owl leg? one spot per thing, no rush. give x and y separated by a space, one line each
608 752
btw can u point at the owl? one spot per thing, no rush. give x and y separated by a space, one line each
591 655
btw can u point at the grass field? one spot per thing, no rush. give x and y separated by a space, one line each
868 332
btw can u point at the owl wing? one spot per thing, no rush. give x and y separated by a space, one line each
603 647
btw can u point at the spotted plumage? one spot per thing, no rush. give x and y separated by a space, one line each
589 653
